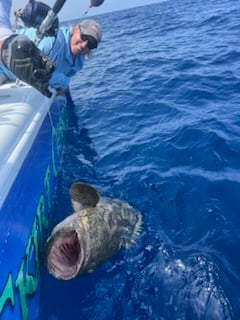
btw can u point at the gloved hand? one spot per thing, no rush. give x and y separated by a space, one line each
21 56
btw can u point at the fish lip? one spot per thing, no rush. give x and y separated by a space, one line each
64 255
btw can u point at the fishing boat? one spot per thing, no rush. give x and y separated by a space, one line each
31 143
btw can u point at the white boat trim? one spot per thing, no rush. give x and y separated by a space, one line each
22 112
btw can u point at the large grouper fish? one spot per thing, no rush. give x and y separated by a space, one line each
96 230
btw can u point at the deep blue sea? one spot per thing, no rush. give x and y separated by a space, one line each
156 122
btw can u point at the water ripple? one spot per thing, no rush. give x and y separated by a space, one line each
156 122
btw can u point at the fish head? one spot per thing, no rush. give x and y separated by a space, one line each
64 255
93 233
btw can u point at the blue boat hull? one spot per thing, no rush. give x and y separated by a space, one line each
25 215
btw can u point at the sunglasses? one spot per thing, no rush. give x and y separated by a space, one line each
92 42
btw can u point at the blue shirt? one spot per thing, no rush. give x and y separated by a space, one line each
58 49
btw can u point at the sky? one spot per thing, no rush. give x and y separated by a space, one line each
74 9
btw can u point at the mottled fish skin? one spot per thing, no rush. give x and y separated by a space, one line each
102 228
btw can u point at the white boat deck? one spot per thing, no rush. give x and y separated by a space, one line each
22 111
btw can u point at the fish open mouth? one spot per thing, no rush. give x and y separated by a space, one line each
64 254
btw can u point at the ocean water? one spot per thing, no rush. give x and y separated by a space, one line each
156 122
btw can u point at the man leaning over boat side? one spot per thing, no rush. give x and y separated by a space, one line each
68 50
21 56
